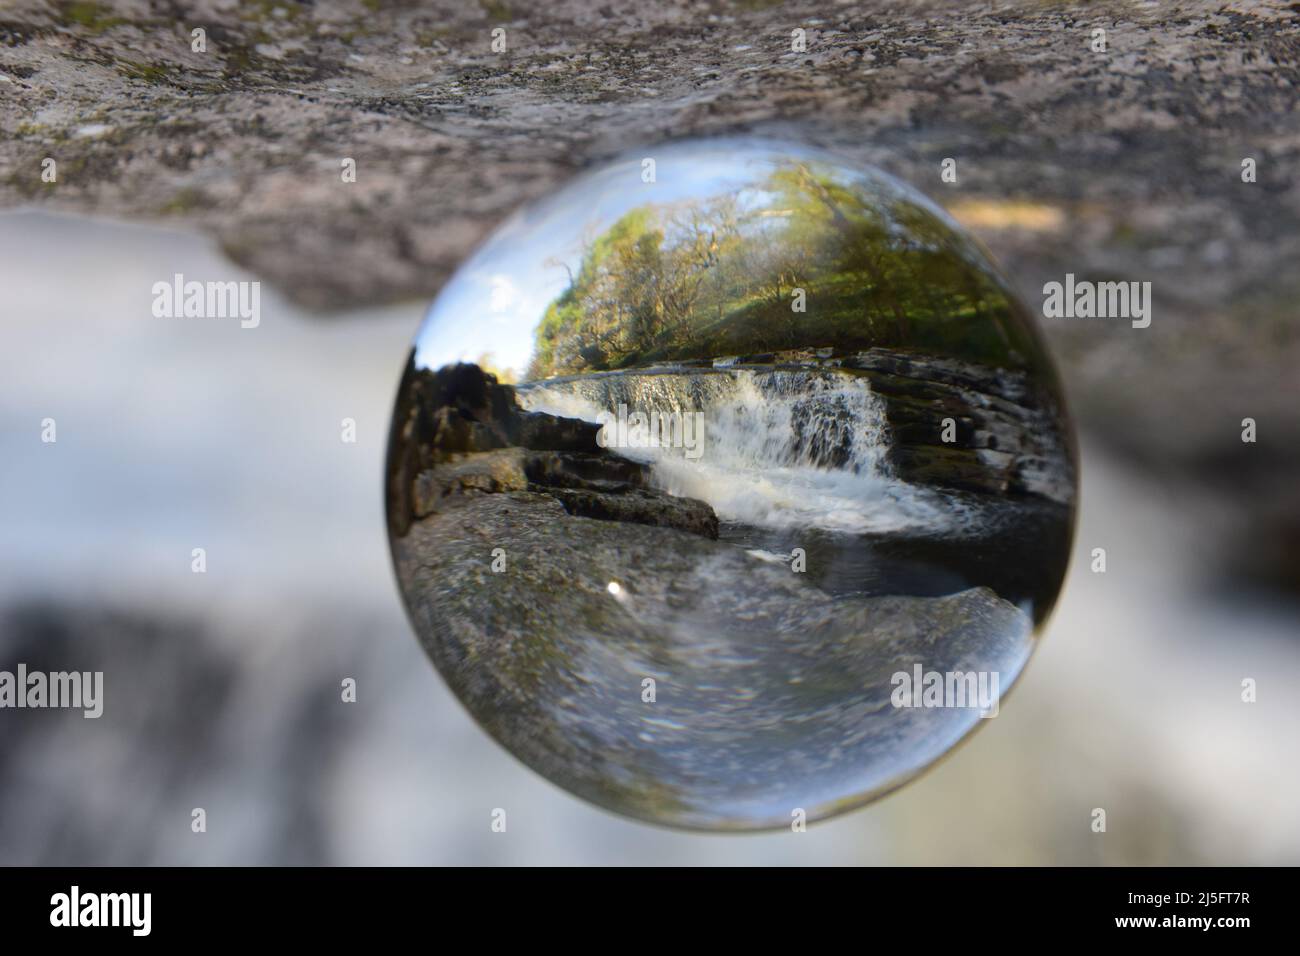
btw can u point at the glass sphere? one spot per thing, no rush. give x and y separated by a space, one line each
730 485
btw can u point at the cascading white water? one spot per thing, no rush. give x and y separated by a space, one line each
782 448
796 419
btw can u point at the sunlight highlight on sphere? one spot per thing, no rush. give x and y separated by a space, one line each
791 418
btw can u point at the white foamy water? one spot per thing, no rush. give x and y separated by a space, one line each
782 448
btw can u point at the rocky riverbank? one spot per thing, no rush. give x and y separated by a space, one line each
550 579
458 433
1009 433
765 686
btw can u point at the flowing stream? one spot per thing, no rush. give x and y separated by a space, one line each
781 449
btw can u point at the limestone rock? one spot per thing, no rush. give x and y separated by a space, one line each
462 434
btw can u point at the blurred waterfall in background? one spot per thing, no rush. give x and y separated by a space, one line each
222 690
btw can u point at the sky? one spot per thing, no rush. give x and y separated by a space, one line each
496 299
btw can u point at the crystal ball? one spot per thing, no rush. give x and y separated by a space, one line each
729 486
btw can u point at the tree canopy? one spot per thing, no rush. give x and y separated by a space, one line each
722 276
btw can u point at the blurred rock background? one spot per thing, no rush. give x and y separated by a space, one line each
223 689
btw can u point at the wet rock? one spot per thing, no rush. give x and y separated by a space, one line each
591 472
411 441
754 664
1006 437
486 473
454 433
459 434
949 467
641 507
547 432
176 693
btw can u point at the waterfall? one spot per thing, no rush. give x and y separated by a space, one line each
782 448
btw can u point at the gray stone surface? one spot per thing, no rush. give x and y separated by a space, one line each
1117 165
770 693
1009 433
458 433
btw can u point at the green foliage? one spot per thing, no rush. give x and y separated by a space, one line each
720 277
91 17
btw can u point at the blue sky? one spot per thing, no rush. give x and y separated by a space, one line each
497 297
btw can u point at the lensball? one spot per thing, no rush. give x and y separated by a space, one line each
730 485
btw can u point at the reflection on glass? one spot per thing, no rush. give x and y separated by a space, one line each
702 489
